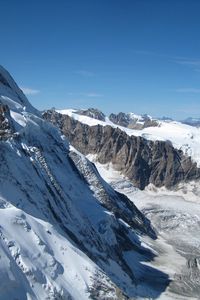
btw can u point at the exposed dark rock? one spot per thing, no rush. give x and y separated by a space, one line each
141 160
92 113
4 81
6 126
127 120
121 119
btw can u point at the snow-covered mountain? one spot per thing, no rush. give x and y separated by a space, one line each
129 120
64 232
174 211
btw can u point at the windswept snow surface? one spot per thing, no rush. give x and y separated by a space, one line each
182 136
37 261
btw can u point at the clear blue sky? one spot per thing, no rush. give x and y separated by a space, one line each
117 55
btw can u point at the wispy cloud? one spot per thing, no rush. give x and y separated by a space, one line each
188 62
29 91
144 52
193 63
151 53
188 90
84 73
89 94
93 95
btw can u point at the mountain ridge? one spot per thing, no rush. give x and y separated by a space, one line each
143 161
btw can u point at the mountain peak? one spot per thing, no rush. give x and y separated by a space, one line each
12 95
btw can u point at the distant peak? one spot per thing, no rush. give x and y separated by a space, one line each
133 121
92 113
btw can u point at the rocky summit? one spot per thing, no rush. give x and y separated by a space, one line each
92 113
133 121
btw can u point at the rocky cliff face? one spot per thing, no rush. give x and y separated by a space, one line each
6 124
142 161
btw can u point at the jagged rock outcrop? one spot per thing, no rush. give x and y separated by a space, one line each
92 113
6 126
142 161
115 202
121 119
132 121
4 81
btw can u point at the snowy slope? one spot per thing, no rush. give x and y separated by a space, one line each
37 261
182 136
